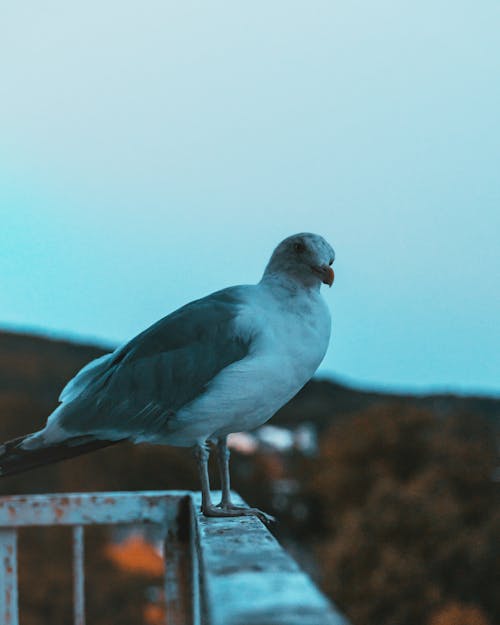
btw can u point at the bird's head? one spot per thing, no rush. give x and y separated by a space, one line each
305 258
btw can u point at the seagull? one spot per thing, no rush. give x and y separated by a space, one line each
220 364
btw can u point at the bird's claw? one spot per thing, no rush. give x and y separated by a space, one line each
267 519
230 510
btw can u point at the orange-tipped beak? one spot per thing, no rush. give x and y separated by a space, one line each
326 273
330 278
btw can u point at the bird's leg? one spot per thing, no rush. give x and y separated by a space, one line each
201 453
226 504
223 454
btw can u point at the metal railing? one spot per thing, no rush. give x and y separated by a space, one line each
218 571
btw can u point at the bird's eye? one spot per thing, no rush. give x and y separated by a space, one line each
299 247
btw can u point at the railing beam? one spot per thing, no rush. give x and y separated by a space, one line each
89 508
246 577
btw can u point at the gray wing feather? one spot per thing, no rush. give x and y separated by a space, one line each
140 386
84 377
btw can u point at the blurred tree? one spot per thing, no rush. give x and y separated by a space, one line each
410 515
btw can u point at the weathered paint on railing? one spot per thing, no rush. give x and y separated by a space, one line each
249 579
8 576
78 576
181 588
79 510
217 571
89 508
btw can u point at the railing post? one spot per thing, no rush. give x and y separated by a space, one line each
78 576
8 577
177 555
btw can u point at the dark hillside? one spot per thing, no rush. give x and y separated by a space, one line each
325 401
33 370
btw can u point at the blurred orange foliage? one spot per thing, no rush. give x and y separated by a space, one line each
155 614
136 555
458 614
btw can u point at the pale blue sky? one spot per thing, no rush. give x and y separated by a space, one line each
152 152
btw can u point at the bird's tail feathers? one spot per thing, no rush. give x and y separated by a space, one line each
17 458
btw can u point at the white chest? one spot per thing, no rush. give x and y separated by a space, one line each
289 336
288 344
297 336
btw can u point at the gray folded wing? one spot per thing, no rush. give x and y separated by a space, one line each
138 388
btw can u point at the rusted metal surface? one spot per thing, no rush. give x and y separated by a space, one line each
89 508
218 571
78 576
78 510
8 577
178 555
248 579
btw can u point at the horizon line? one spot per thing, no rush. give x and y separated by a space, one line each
330 376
